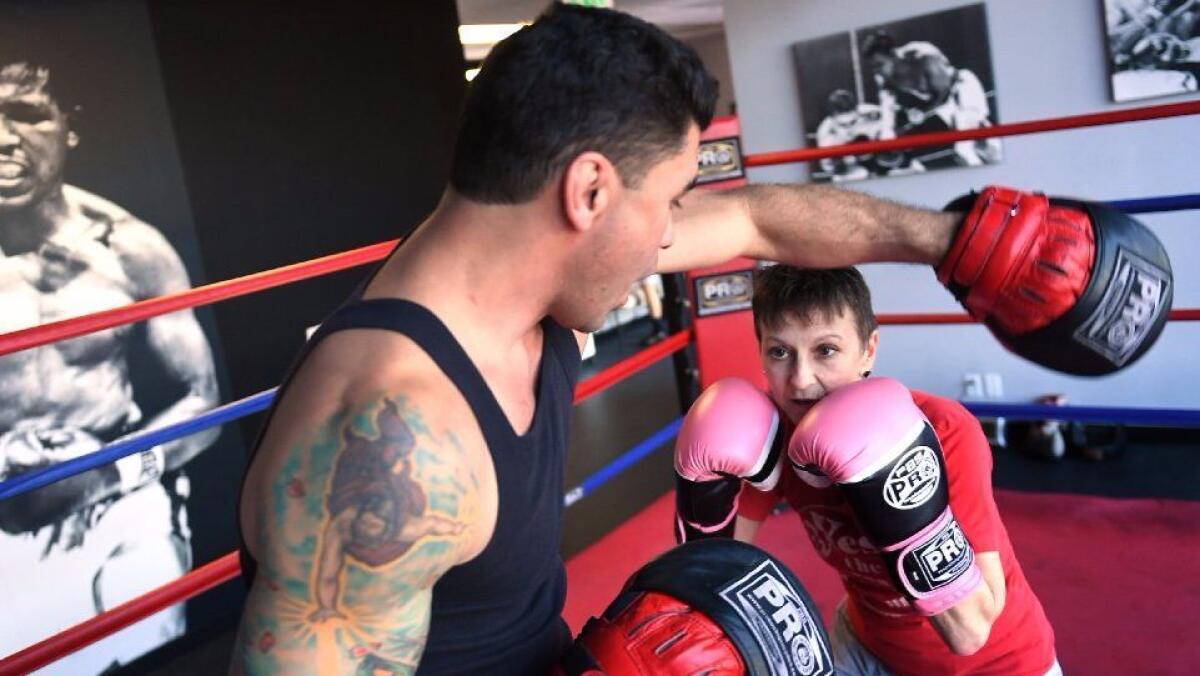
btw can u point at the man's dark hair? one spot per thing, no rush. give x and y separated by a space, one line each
575 80
878 42
782 291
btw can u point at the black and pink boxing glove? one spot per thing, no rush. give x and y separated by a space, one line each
871 440
729 435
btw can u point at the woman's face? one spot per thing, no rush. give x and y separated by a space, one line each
806 359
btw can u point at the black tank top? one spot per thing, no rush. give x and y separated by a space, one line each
499 613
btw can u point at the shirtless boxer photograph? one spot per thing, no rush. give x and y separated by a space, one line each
570 179
87 543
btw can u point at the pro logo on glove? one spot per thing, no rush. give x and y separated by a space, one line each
913 479
938 561
1127 311
779 620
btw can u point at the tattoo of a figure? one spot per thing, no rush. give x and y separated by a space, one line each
376 509
362 520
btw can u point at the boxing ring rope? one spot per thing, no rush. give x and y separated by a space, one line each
64 329
71 328
254 403
949 137
74 327
1150 205
182 588
918 318
627 367
227 567
1148 417
622 462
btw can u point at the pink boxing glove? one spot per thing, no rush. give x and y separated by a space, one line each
729 434
872 440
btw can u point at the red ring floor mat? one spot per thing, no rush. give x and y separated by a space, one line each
1119 578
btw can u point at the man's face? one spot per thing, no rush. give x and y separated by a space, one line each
34 140
925 76
806 359
637 228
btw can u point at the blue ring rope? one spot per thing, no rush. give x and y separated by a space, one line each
1155 204
142 441
30 481
622 463
1149 417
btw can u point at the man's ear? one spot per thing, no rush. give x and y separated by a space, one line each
589 186
72 139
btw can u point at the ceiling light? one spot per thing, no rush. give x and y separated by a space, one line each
486 33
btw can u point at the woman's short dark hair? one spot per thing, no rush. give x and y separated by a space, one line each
782 291
575 80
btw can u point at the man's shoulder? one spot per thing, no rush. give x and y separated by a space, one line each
370 364
127 229
94 205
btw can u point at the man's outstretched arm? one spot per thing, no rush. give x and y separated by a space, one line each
1075 286
804 225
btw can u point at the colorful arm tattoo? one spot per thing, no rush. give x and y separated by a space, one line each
358 526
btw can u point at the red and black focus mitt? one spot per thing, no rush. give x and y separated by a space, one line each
1075 286
718 607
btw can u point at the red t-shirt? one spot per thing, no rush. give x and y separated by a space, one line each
1021 640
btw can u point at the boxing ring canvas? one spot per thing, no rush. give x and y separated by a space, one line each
924 74
1153 47
94 214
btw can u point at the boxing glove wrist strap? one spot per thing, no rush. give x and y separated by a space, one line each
936 567
706 508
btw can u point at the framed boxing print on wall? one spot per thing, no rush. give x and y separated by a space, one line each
1153 47
924 74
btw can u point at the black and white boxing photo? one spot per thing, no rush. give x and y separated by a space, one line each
1153 47
924 74
599 338
93 218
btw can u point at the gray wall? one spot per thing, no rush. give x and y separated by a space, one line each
1048 59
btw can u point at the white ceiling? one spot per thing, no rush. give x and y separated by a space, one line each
681 18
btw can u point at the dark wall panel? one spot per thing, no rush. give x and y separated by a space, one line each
305 128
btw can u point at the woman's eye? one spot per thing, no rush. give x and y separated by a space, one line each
827 350
777 353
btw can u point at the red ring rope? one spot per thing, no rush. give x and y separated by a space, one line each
903 318
211 293
63 329
948 137
227 567
95 628
627 367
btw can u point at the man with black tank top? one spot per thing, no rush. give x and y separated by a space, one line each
403 509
